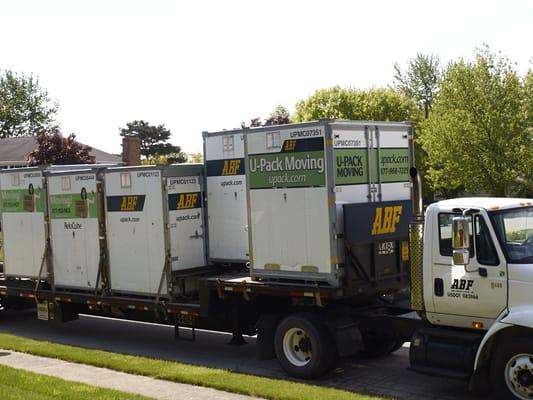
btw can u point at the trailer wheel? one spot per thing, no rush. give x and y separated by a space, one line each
304 346
512 369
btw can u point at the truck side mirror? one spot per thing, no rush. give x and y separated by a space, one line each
461 240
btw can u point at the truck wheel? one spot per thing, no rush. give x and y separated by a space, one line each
304 346
512 369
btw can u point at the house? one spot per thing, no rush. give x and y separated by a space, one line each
14 152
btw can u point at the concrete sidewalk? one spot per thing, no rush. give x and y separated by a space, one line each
106 378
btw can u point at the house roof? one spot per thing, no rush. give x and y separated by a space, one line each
14 151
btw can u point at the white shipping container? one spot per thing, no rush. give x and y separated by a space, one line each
185 216
23 206
299 177
226 196
74 231
135 226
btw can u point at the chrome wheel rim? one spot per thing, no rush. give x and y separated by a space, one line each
519 376
297 347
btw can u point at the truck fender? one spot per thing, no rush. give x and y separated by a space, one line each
520 317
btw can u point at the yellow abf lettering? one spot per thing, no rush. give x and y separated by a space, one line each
187 200
386 219
129 203
231 167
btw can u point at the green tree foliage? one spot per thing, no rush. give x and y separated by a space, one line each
195 158
420 80
478 135
55 149
165 159
154 142
372 104
25 107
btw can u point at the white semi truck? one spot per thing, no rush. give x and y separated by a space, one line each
342 258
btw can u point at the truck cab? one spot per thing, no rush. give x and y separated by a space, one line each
477 293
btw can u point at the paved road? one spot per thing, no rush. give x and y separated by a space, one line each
385 376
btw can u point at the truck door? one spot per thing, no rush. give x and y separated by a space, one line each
477 291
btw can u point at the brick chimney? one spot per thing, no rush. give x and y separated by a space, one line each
131 150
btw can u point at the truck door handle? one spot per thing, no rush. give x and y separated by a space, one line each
439 287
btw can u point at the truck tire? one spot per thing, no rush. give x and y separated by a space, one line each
511 370
304 346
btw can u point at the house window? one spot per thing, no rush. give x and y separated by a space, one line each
65 183
125 179
273 140
227 143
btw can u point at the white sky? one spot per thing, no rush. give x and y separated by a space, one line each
208 65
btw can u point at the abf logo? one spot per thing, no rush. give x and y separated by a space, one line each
462 284
386 219
128 203
231 167
187 200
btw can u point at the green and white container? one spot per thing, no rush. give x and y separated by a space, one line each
300 176
22 205
73 205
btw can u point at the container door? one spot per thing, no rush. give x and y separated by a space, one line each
74 229
186 222
290 214
23 223
226 198
135 230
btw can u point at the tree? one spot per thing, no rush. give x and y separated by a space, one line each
372 104
53 148
420 80
197 158
279 116
25 107
166 159
154 141
478 135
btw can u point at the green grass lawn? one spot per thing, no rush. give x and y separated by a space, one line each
16 384
173 371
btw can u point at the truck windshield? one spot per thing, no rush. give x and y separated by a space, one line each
514 229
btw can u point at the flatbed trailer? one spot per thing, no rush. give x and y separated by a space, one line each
232 303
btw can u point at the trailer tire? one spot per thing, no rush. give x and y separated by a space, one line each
511 370
304 346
